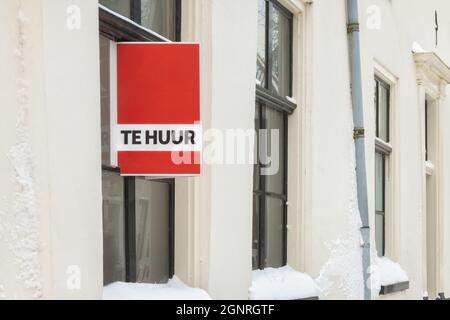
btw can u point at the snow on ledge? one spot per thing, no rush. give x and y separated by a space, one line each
417 48
175 289
282 284
291 99
390 272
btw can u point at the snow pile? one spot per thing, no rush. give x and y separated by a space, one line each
417 48
282 284
429 165
291 99
175 289
390 272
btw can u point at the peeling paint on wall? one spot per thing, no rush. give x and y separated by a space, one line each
23 228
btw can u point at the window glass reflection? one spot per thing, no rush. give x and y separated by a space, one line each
159 16
122 7
281 52
152 231
113 228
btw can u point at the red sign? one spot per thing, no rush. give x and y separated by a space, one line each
158 130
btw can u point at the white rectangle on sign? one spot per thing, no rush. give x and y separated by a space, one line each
174 137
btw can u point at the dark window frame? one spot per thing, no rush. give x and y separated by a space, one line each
383 149
268 98
119 29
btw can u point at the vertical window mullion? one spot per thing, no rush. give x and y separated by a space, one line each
263 202
285 220
178 19
172 228
388 114
291 57
130 228
136 11
377 109
426 130
384 205
269 45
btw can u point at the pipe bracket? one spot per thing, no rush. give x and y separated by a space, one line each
358 133
352 27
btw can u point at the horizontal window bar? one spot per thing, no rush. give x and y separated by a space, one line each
270 194
272 100
383 147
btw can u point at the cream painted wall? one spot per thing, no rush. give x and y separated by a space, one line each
233 97
12 245
334 252
402 23
72 88
213 212
331 189
56 184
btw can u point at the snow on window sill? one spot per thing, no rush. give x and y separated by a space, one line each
429 167
175 289
390 276
282 284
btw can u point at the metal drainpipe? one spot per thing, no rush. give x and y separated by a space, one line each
359 135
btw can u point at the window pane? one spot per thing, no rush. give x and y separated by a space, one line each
275 121
281 52
376 107
379 234
255 241
152 231
105 100
379 182
274 233
383 113
122 7
261 53
159 16
113 228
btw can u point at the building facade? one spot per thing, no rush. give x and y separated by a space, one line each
70 224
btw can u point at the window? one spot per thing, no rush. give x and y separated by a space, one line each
274 54
382 152
137 229
274 79
138 213
159 16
